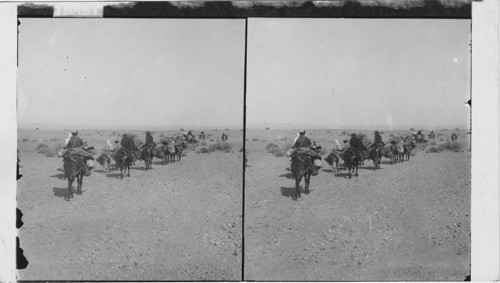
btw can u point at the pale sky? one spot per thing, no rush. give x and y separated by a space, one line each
358 72
112 72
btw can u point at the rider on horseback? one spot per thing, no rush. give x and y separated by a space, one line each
128 145
356 145
149 141
302 140
303 145
77 146
378 140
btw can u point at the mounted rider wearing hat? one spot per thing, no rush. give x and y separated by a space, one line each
302 140
77 146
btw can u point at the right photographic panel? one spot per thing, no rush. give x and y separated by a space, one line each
358 150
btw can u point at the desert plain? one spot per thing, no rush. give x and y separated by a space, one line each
404 221
178 221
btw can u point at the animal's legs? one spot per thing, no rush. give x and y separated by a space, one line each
70 184
307 178
80 183
297 189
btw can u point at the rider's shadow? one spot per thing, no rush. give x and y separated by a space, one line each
63 192
287 175
288 192
115 175
59 176
342 175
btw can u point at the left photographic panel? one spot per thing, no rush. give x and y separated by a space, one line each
130 137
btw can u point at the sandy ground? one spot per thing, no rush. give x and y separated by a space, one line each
181 221
407 221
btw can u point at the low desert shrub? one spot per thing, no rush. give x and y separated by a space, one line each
203 143
221 146
203 149
432 149
283 139
26 140
279 153
41 147
433 142
53 139
45 150
255 139
59 146
192 146
451 146
274 149
271 146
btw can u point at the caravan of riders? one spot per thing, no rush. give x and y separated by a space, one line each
306 158
125 151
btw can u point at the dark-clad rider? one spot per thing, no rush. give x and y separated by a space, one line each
128 145
76 145
355 144
302 141
75 141
377 141
149 141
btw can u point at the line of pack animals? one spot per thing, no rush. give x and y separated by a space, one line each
307 161
78 160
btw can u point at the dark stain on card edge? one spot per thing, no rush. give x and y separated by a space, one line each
279 9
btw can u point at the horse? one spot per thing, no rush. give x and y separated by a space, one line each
400 151
159 153
408 149
147 156
123 161
73 168
375 156
333 159
179 148
105 160
351 160
191 139
302 166
386 152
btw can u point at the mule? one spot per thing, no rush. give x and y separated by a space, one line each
386 152
123 161
105 159
73 168
408 149
333 159
375 156
351 160
158 152
301 167
147 156
179 148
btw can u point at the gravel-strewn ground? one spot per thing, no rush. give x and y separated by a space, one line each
180 221
407 221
